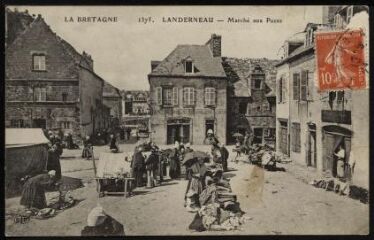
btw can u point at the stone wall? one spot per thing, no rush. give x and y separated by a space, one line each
197 114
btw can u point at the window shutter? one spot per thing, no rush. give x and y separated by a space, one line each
280 89
310 82
159 95
303 85
296 86
192 96
175 96
214 97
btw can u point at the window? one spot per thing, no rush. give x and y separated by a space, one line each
40 94
304 85
266 106
243 108
38 62
210 96
338 21
189 66
175 96
296 86
64 97
167 96
295 137
309 37
349 14
189 96
159 95
17 123
65 124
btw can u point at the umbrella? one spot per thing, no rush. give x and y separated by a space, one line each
237 135
195 155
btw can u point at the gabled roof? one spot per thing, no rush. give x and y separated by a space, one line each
110 91
201 56
238 71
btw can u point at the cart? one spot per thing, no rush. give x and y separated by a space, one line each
113 175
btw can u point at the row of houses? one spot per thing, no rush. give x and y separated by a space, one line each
50 85
311 124
195 89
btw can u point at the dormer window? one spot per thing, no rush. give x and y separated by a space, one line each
38 62
349 14
189 66
338 21
309 37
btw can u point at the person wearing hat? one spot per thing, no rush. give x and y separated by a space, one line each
188 170
151 165
53 162
138 166
210 139
33 193
99 223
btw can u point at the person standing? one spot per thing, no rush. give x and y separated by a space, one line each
151 165
33 193
196 185
138 166
340 162
113 143
175 162
54 162
224 156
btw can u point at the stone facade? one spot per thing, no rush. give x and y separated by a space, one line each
62 93
188 94
112 98
251 108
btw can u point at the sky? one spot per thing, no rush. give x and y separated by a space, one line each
122 51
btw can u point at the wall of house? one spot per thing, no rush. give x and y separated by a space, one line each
91 89
360 140
282 109
115 104
198 114
59 64
305 112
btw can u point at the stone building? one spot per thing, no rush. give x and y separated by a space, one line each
112 98
312 123
251 98
137 110
48 83
188 94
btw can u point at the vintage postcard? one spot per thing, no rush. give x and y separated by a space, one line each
186 120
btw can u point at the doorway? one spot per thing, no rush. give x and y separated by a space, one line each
332 138
209 124
178 130
39 123
311 150
257 135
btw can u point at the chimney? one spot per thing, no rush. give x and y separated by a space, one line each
154 64
215 45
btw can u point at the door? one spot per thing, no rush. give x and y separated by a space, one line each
283 140
258 133
311 149
40 123
186 133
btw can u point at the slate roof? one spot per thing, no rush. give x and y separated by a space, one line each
238 71
204 62
110 91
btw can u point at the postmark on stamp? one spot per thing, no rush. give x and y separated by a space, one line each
340 60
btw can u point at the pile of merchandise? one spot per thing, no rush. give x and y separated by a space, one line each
219 207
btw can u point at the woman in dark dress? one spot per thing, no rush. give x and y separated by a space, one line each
175 162
54 162
196 184
138 167
33 193
113 143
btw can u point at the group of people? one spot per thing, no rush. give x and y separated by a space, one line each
33 193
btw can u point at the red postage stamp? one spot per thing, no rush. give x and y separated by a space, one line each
340 60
